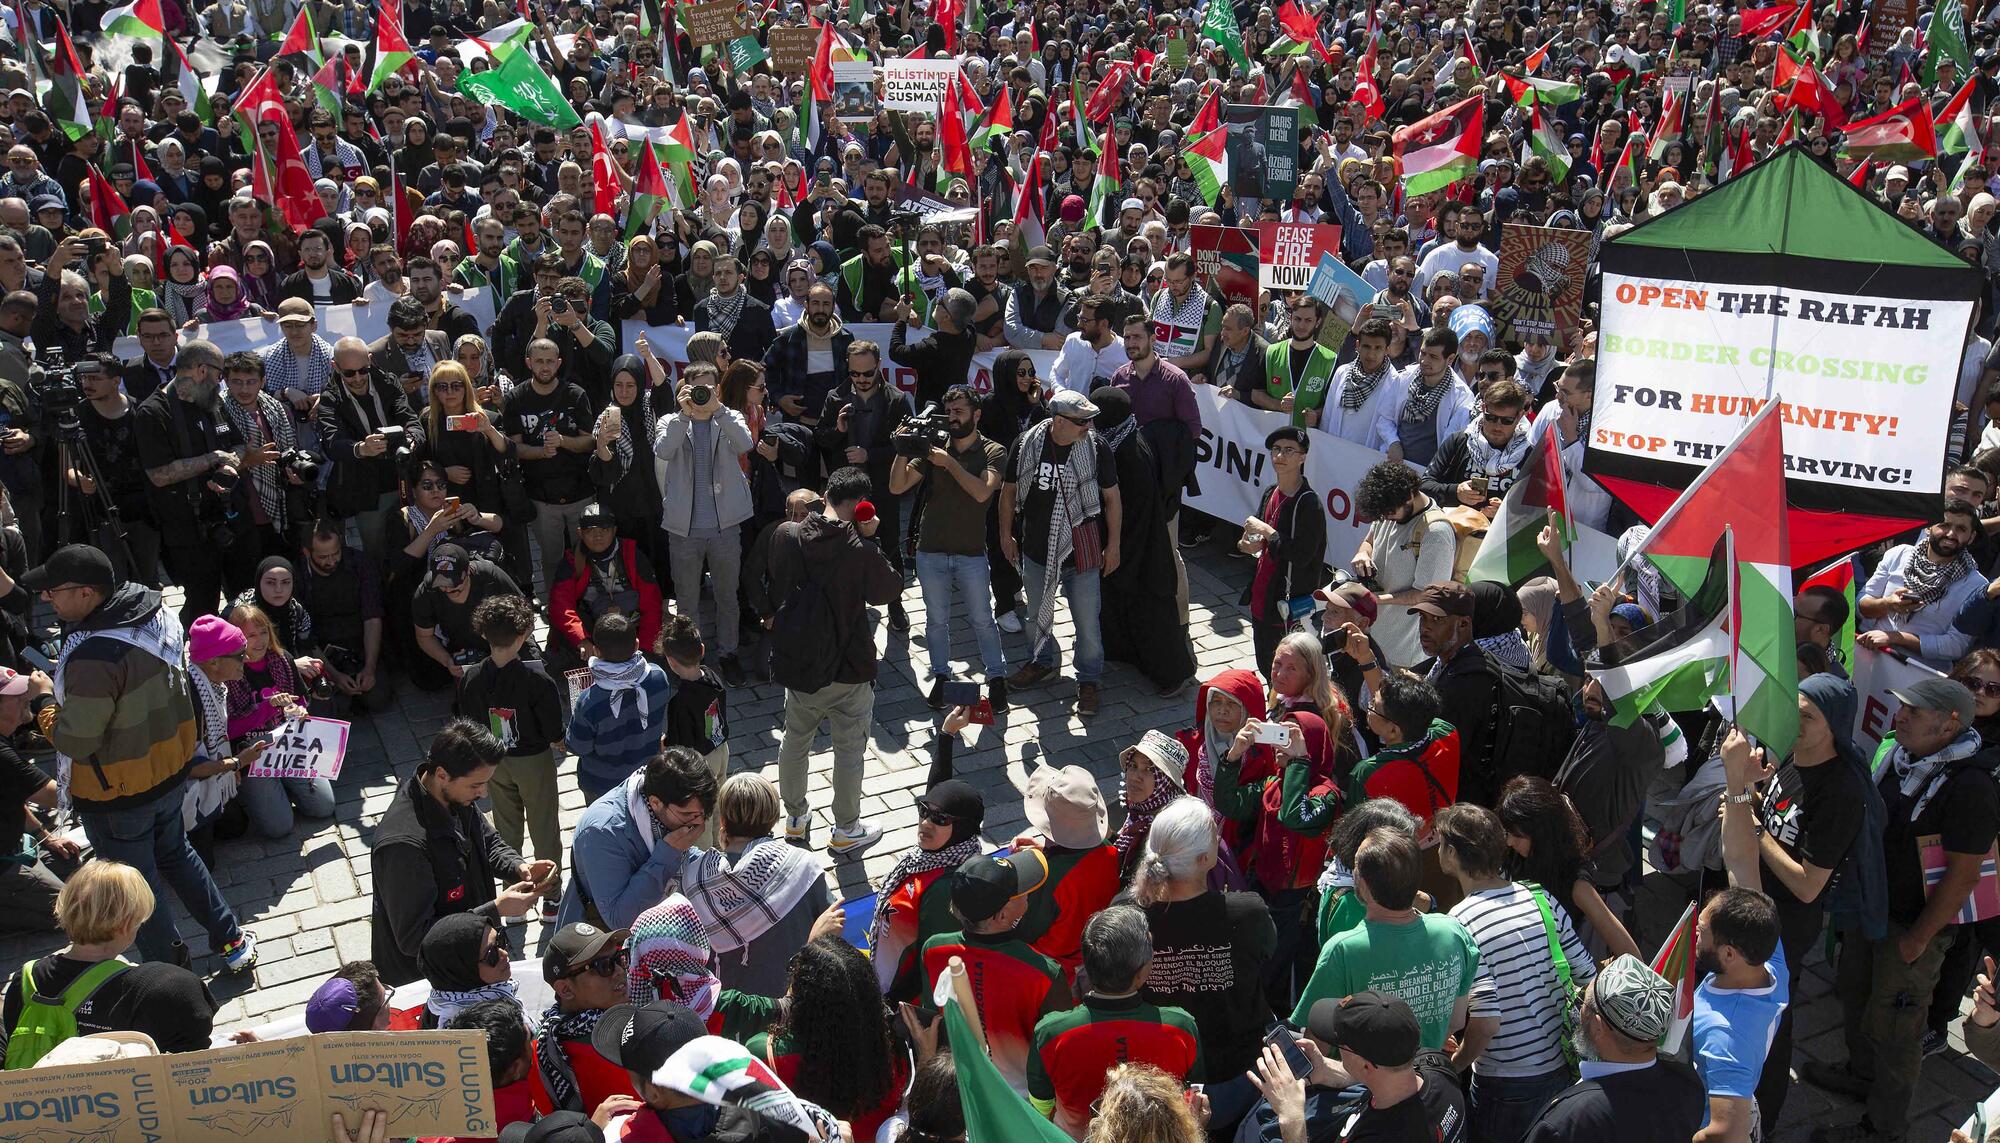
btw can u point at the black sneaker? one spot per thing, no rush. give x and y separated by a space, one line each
935 699
1195 535
899 620
996 694
731 669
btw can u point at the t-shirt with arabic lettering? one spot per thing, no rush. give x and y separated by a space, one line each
1209 954
1429 962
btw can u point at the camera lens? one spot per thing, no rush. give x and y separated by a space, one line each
700 394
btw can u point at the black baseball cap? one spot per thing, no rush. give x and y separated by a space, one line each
1376 1026
78 564
982 886
640 1037
576 945
596 516
450 564
555 1127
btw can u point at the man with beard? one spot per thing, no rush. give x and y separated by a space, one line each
1474 467
1447 257
945 357
1436 407
1034 307
1364 390
1628 1092
489 264
1918 589
1298 371
806 360
1185 319
364 422
112 433
990 297
855 427
874 282
1412 312
426 280
743 321
951 541
317 279
193 456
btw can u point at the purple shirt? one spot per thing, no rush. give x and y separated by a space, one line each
1164 394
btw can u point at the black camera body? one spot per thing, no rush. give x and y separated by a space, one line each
917 436
306 464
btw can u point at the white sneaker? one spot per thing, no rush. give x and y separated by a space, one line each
799 830
1010 623
845 841
240 955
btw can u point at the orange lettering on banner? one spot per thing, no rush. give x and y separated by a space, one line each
1611 438
1665 297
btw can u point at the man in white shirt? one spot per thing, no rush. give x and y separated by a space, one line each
1366 393
1092 353
1448 257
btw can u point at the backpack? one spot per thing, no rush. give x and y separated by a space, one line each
48 1021
1533 726
807 632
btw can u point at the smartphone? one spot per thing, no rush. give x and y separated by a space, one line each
1287 1042
1274 733
92 247
1479 484
451 503
613 418
462 423
960 693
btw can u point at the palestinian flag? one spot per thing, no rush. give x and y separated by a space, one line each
1800 36
1902 133
1301 98
1218 23
177 72
1079 126
1028 206
139 20
301 40
1743 491
996 122
649 192
1540 55
107 209
1527 91
1208 160
1840 575
1545 138
1510 554
1625 164
1946 40
1681 660
1442 149
1106 188
392 50
994 1111
1675 962
65 101
676 155
327 86
1960 135
106 124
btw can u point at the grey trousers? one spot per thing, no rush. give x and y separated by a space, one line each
723 555
554 528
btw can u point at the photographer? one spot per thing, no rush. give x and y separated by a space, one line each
64 321
698 452
278 490
963 476
854 430
21 435
943 359
408 351
585 344
111 434
343 594
364 422
194 458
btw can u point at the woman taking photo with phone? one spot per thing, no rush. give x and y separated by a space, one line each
464 444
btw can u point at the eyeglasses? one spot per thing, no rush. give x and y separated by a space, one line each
1287 450
1497 419
447 386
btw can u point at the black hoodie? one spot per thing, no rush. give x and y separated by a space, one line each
824 575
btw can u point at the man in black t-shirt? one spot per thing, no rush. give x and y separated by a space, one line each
1372 1039
549 421
442 611
113 435
1932 784
1060 522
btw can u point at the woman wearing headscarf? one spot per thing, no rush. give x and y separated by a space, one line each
757 896
172 174
416 153
182 292
144 235
912 906
224 300
211 192
760 277
671 960
642 288
621 463
146 192
260 275
694 282
274 595
1496 624
1140 620
1150 776
464 958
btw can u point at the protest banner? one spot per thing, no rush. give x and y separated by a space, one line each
307 748
1177 54
1783 284
1875 674
792 50
1886 21
854 90
916 85
1235 470
431 1084
1343 290
1288 252
1263 150
711 22
669 343
1225 259
368 322
1539 289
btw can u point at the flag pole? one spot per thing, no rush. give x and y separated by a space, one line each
968 1005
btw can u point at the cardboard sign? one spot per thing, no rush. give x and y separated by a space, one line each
854 90
1289 252
1539 289
1225 258
711 22
308 748
1886 21
792 50
430 1083
916 85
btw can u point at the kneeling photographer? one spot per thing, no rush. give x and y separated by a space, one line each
194 457
855 428
283 492
106 474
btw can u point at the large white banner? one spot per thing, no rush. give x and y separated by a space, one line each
1235 471
1867 382
369 322
916 85
1875 674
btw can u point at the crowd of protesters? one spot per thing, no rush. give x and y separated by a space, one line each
1378 882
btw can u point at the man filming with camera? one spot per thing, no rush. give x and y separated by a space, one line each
364 423
963 468
110 447
195 458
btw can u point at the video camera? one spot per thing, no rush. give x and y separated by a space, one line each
56 390
917 436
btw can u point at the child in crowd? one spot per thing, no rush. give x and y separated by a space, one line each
620 716
523 707
697 715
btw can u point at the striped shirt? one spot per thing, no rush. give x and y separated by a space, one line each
1517 980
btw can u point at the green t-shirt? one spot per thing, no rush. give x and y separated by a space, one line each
1339 912
1428 962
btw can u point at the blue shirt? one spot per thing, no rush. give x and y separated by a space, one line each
1733 1028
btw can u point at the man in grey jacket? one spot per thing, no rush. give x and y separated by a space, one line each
705 497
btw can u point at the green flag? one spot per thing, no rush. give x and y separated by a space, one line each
745 53
1947 40
994 1112
1219 24
520 85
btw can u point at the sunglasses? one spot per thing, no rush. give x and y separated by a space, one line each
494 956
448 386
939 817
861 372
361 372
1497 419
1989 689
609 965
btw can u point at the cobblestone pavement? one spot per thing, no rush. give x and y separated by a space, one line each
307 897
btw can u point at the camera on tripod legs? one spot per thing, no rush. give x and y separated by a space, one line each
917 436
57 391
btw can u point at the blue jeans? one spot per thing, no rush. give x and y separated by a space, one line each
152 840
1501 1108
270 802
1084 592
937 574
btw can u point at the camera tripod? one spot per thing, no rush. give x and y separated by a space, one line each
86 517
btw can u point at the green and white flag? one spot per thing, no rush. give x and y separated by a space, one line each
745 53
1947 40
1219 24
520 85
